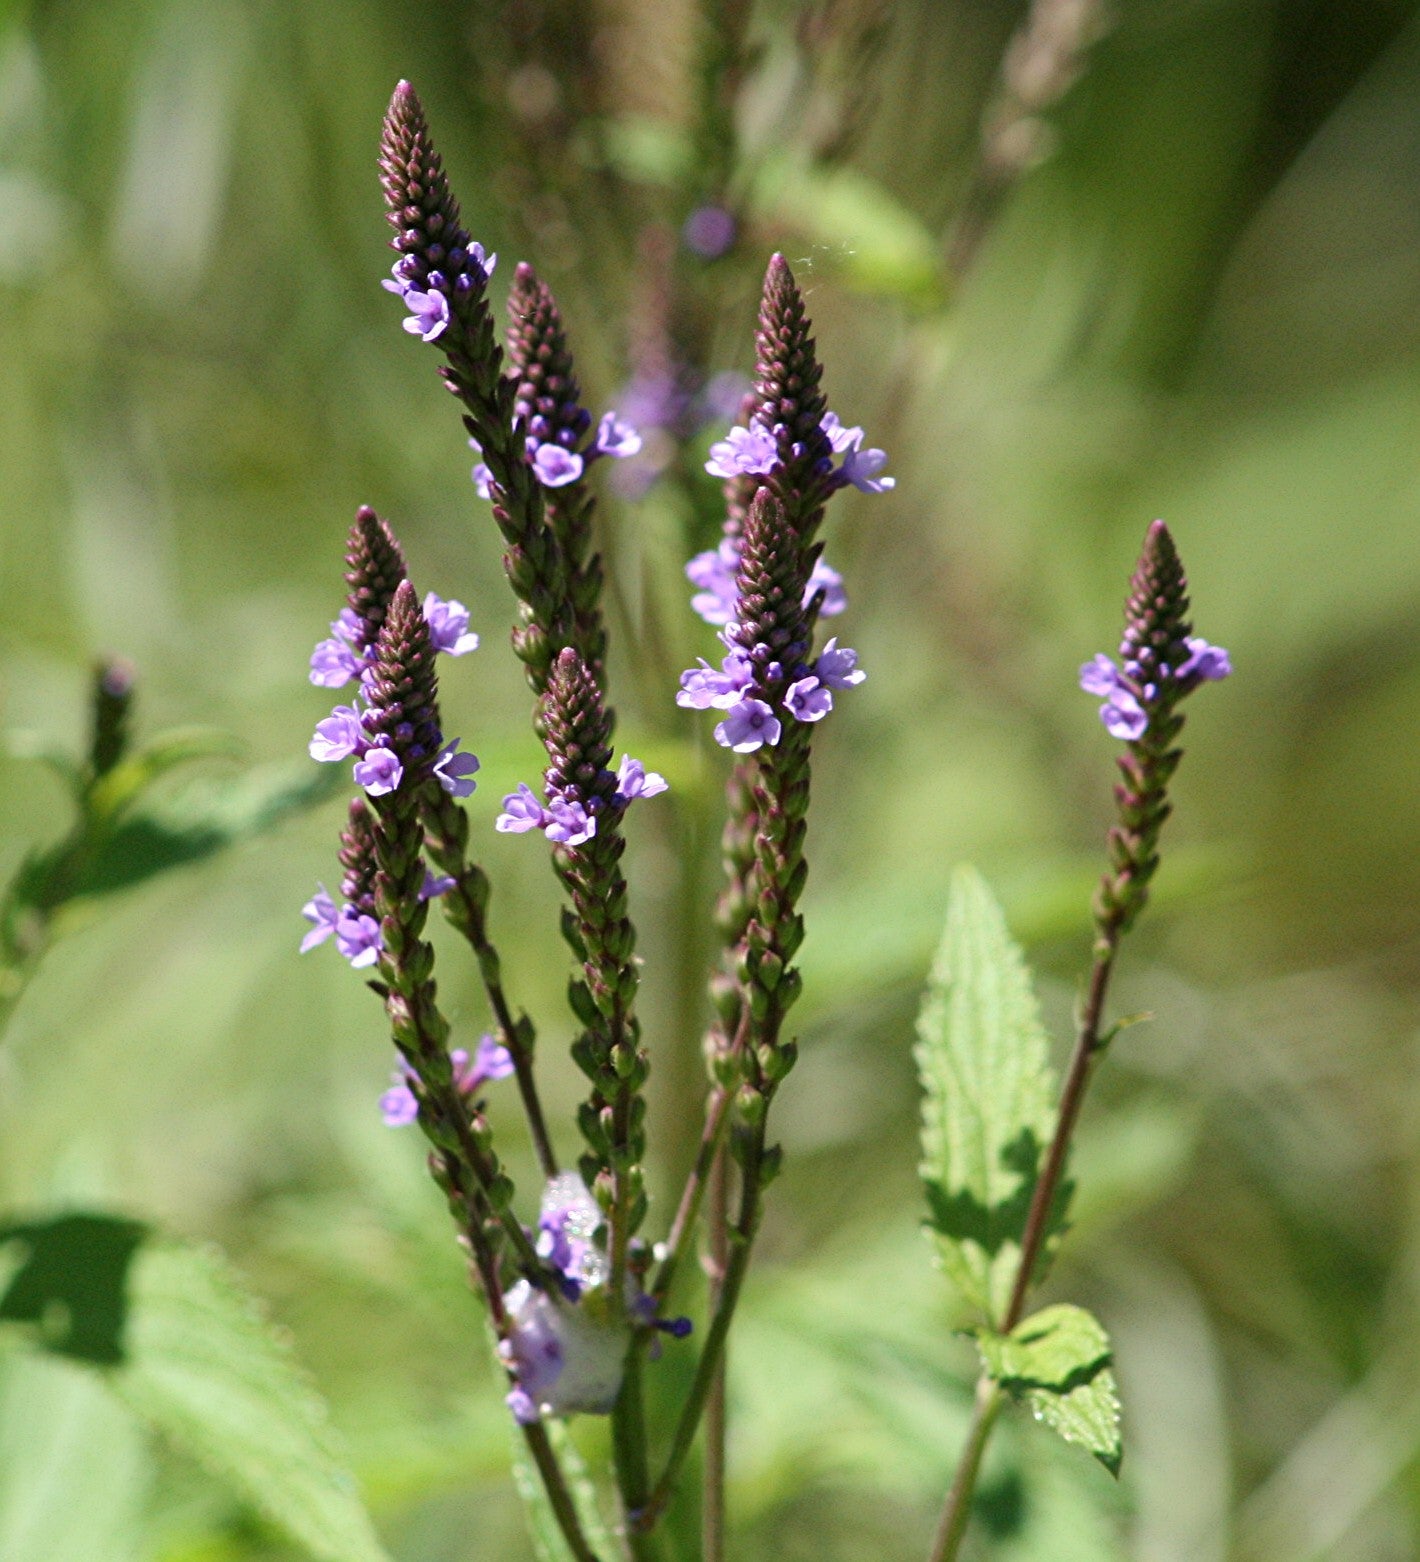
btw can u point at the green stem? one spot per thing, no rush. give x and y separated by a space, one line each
688 1210
628 1435
741 1241
712 1510
558 1495
951 1527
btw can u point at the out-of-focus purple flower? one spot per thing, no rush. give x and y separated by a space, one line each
744 451
706 688
713 572
723 395
455 771
709 231
748 726
321 912
1206 663
491 1061
568 822
830 582
807 699
633 780
357 937
616 438
398 1105
379 771
1099 676
435 885
339 736
556 466
522 810
1122 714
482 480
428 313
448 626
837 668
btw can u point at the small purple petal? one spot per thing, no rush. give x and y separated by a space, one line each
339 736
521 811
428 314
333 664
455 771
358 938
448 626
320 910
1123 716
398 1106
808 700
379 772
838 668
556 467
748 726
709 231
615 438
432 886
568 823
1206 663
830 582
492 1061
632 780
860 466
839 438
1099 676
752 450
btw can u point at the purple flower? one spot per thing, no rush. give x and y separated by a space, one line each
1099 676
398 1105
428 313
615 438
555 466
830 582
379 772
808 700
632 781
568 823
566 1228
334 662
521 811
860 466
320 910
714 573
482 479
838 669
839 438
339 736
357 937
703 688
455 771
448 626
744 451
748 726
709 231
1123 716
401 283
1206 663
491 1061
433 886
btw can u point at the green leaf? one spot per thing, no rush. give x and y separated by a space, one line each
204 1367
204 817
123 784
74 1465
988 1110
72 1281
1058 1361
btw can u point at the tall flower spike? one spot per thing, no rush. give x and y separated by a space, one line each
1163 661
608 1051
425 216
549 410
374 568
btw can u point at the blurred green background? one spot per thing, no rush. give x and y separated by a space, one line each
1197 297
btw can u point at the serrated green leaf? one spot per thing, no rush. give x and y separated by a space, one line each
72 1282
204 817
1051 1349
1059 1362
989 1095
204 1367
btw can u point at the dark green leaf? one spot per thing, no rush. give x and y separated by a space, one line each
72 1282
989 1093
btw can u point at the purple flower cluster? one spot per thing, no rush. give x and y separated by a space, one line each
567 821
335 661
713 573
750 720
398 1105
1129 696
344 734
461 272
356 932
567 1347
754 451
554 462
